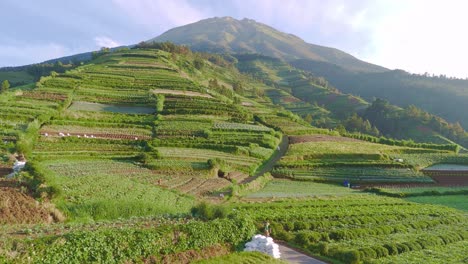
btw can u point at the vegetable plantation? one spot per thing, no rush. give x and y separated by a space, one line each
123 147
355 229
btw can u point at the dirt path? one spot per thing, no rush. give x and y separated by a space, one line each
283 148
292 256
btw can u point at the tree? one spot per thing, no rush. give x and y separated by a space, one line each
308 118
5 85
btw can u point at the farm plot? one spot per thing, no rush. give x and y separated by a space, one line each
17 207
328 158
448 174
355 229
422 160
319 138
43 95
355 175
202 186
68 146
130 133
240 162
455 201
452 253
286 188
105 189
240 127
97 107
87 118
178 92
288 126
201 106
180 128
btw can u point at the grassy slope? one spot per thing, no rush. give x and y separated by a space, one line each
16 77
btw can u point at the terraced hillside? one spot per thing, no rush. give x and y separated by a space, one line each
300 93
124 147
113 138
339 159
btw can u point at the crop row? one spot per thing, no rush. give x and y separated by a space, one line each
354 174
240 127
357 229
127 244
79 130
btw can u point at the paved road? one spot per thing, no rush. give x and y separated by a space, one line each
291 256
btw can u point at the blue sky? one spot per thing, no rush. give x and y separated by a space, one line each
415 35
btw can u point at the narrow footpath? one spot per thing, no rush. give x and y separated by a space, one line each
293 257
268 166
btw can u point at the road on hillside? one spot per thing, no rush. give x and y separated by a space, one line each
292 256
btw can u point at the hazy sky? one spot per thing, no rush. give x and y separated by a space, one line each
415 35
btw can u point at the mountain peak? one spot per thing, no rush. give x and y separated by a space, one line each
227 34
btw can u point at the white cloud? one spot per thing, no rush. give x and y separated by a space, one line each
103 41
421 36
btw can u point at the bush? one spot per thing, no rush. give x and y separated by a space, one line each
380 251
301 226
282 235
207 212
353 257
391 248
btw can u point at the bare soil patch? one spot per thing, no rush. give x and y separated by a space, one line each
5 171
18 207
319 138
446 174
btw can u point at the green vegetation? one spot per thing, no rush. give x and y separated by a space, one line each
125 146
455 201
444 96
5 86
353 161
288 188
452 253
355 229
148 240
241 258
418 191
104 189
86 106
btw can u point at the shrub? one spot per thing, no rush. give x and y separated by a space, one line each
391 248
207 212
352 257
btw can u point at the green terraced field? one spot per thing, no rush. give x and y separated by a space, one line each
124 109
146 133
355 229
288 188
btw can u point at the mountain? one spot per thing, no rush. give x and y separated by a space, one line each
230 35
439 95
